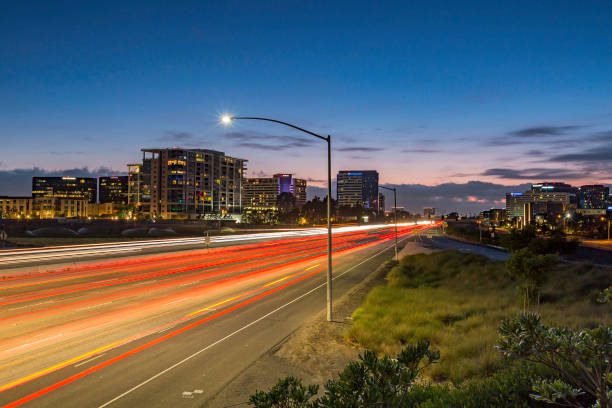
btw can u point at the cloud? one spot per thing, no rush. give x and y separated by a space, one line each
534 153
277 147
420 151
601 136
359 149
262 138
544 131
18 182
534 174
600 153
176 136
472 196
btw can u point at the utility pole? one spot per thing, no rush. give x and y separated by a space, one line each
228 119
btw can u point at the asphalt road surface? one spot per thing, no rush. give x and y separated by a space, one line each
166 329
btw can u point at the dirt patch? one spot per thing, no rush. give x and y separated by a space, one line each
315 352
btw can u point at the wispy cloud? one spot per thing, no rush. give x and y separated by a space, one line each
263 137
359 149
420 151
534 174
600 153
544 131
176 136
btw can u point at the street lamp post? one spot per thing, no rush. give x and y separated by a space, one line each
395 214
228 119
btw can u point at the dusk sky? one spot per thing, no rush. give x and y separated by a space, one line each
427 93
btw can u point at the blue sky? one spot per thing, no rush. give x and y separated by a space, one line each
427 93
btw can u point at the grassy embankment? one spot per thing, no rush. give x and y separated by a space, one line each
457 301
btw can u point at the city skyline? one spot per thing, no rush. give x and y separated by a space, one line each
506 95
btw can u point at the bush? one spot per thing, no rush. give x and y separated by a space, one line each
526 238
581 358
369 382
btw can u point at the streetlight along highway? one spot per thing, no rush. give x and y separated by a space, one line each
227 119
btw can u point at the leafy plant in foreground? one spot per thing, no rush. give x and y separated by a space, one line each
582 359
369 382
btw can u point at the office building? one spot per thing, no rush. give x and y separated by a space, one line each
594 196
176 183
358 188
16 207
76 188
113 189
494 216
381 203
545 201
264 192
553 187
134 188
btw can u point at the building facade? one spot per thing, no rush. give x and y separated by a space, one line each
545 201
264 192
113 189
176 183
594 196
76 188
16 207
358 188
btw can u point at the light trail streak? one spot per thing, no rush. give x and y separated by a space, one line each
377 239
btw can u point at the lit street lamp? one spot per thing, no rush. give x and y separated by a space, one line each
226 119
395 214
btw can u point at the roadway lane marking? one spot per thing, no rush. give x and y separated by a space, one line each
117 343
90 360
240 330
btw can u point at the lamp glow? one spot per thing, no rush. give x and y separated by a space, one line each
226 119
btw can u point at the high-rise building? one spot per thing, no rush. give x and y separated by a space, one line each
77 188
553 187
181 183
263 192
296 187
113 189
358 188
134 189
594 196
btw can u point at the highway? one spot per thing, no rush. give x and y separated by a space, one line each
165 328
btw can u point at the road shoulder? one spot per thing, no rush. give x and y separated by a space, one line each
315 352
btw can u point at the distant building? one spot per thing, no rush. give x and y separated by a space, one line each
553 187
176 183
113 189
494 216
545 201
134 188
358 188
429 212
77 188
264 192
296 187
594 196
16 207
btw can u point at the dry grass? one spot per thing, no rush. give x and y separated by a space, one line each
457 301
